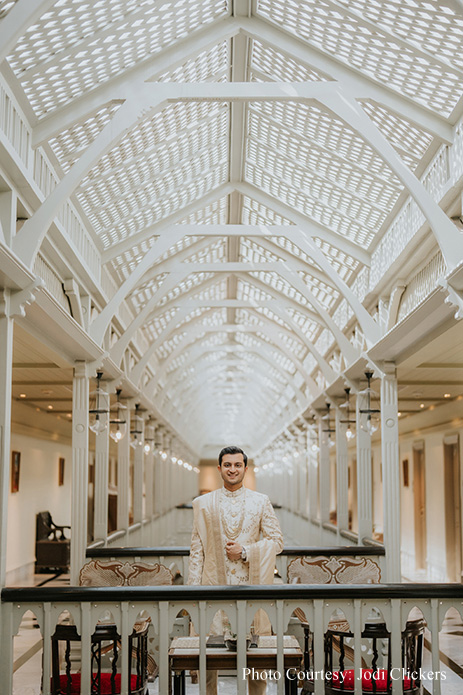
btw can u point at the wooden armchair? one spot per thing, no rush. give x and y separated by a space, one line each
332 569
337 569
52 547
106 640
115 573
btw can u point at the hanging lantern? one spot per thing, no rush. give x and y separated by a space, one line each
149 441
371 423
98 400
350 432
137 432
118 423
330 430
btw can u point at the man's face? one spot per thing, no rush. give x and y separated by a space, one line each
232 470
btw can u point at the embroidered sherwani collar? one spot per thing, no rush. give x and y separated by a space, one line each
234 494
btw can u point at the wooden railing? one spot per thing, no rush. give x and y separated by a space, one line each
163 604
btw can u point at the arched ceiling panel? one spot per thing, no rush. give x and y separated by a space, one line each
76 46
235 338
335 29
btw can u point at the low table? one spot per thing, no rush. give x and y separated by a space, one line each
184 656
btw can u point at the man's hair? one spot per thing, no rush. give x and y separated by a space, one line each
232 450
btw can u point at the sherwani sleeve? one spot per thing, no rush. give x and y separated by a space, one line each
261 555
196 562
271 527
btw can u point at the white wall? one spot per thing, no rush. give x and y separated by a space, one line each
435 502
38 491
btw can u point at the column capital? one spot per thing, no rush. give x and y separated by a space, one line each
389 369
83 369
89 369
13 303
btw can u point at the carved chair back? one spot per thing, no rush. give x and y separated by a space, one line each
333 570
116 573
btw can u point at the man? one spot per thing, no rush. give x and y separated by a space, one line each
226 543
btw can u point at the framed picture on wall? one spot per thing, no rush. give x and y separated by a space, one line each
61 471
405 471
15 463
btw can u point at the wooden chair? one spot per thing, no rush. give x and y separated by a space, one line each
52 547
376 678
115 573
105 639
354 570
333 569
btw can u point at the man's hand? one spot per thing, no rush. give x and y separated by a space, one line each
233 550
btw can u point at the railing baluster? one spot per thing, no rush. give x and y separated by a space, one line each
318 643
280 646
435 657
6 652
396 644
86 638
241 646
357 630
202 647
125 647
164 647
46 632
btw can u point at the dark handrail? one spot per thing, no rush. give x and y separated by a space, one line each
305 592
178 551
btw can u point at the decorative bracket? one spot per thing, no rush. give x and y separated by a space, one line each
14 303
454 296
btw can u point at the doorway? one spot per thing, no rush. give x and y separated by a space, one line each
419 494
452 508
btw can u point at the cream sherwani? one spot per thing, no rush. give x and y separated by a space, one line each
245 516
248 518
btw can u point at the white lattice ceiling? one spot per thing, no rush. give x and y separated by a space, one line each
233 336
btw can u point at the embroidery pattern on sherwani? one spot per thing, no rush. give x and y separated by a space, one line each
208 561
219 545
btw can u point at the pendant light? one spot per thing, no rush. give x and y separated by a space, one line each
371 423
96 422
118 423
328 429
137 431
350 432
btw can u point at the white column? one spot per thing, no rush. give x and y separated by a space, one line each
391 471
79 500
364 489
161 472
170 475
149 471
324 459
138 472
100 530
123 479
6 371
313 450
303 462
157 471
342 473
